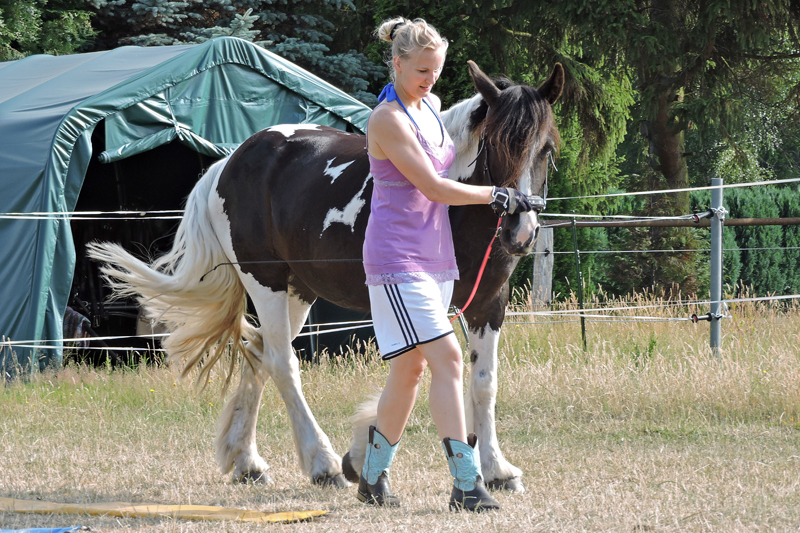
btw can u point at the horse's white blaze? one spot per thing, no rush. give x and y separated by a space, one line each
335 172
525 182
290 129
479 404
349 213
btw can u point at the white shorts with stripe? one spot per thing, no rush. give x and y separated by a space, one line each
406 315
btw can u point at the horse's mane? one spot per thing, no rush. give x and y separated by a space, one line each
519 125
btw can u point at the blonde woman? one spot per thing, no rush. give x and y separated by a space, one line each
410 264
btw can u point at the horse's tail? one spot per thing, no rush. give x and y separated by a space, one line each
366 415
190 289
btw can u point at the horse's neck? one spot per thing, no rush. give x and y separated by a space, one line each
456 122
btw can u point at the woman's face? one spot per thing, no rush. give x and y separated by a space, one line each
418 72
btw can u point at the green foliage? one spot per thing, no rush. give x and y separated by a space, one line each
299 30
654 98
761 257
42 27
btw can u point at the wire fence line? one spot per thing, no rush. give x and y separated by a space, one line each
177 214
592 314
354 325
673 191
676 251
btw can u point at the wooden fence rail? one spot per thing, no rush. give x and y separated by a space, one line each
669 223
543 260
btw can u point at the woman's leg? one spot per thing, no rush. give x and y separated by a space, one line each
447 410
447 388
399 394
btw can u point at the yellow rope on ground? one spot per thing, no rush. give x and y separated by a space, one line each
149 510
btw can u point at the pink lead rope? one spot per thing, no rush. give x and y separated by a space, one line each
480 272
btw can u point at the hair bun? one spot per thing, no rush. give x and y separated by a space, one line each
394 30
388 28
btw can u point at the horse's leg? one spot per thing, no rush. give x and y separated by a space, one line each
479 405
236 428
282 316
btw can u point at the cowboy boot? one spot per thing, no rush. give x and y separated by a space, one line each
373 485
469 491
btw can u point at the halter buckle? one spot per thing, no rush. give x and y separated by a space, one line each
538 202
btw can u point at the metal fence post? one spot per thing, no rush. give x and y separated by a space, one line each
717 222
579 275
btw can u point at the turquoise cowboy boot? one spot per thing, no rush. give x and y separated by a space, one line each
464 461
373 486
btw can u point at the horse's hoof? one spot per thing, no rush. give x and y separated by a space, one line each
348 470
513 484
256 478
336 481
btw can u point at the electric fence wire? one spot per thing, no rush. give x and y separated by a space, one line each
671 191
165 214
679 250
355 324
688 303
177 215
577 313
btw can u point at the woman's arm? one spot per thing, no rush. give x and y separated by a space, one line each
394 139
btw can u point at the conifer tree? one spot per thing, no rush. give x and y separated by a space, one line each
298 30
42 27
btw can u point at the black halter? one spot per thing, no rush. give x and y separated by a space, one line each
539 202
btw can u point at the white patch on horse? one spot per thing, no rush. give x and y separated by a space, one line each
290 129
221 223
456 120
335 172
348 215
281 314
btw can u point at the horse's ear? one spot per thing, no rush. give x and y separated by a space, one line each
483 84
551 89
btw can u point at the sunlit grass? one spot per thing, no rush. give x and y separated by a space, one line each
645 429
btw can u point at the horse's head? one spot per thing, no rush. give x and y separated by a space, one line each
518 136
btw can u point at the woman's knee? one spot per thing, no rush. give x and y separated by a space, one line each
411 368
446 360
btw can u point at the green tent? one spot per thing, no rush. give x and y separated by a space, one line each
209 97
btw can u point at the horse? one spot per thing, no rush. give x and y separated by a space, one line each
281 219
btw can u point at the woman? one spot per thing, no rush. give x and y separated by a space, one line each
411 266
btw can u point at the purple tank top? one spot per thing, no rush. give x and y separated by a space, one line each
408 236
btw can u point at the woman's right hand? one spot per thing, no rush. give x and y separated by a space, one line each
509 201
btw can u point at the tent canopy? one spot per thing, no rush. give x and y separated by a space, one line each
210 97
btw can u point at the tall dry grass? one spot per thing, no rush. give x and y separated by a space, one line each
643 431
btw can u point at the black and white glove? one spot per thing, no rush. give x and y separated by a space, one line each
508 201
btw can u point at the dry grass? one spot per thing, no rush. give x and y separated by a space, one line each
643 432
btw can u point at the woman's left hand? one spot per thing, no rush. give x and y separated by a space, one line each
509 201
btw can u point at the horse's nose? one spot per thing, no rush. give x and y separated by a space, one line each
519 234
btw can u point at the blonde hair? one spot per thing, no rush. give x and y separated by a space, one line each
407 36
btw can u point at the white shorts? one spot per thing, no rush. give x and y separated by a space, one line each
406 315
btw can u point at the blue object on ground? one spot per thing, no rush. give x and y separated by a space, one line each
43 530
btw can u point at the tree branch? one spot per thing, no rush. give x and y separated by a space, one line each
494 22
776 57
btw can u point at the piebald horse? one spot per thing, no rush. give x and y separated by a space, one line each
279 218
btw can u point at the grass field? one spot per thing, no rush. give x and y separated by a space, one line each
643 432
